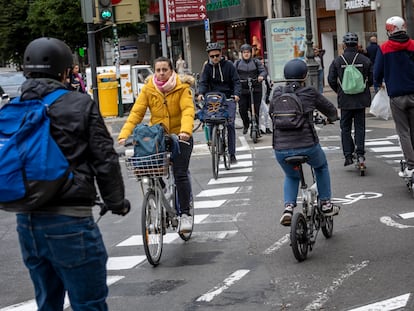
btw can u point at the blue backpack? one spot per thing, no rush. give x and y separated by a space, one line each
148 140
32 166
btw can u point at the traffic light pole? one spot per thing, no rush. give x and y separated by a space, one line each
118 70
92 59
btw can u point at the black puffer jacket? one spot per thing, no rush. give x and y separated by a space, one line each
79 130
336 70
306 136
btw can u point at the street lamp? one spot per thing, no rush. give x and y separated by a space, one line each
310 55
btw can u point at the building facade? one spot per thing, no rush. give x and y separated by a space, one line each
235 22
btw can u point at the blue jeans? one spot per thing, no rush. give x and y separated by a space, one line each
64 253
317 160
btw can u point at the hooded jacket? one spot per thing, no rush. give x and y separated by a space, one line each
395 65
174 109
305 136
336 72
221 77
80 131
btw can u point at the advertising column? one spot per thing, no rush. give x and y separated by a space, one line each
285 39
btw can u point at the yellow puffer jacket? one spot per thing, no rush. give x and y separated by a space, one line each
175 109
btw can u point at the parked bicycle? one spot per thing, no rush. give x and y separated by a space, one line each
215 117
160 206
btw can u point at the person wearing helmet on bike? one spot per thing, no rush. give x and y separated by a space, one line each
60 242
394 65
303 140
249 67
352 106
220 75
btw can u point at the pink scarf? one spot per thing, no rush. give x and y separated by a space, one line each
166 86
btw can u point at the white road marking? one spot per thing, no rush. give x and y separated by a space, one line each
244 144
31 305
407 215
386 305
227 180
394 155
124 262
217 290
378 142
263 147
388 221
386 149
318 303
209 204
217 192
205 236
238 164
282 241
244 156
237 171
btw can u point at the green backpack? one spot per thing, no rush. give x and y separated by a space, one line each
353 81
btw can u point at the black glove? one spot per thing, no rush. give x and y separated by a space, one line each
121 209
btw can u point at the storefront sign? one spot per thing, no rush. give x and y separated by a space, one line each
213 5
357 4
186 10
285 39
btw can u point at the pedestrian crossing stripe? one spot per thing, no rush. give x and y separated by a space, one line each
227 180
209 204
218 192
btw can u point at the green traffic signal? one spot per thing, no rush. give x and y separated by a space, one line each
106 15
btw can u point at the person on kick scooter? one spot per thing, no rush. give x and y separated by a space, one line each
249 67
301 138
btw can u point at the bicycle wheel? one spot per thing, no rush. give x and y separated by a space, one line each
215 149
151 222
327 227
226 154
298 237
254 132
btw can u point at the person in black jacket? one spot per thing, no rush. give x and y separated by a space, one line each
302 141
352 106
220 75
60 242
249 67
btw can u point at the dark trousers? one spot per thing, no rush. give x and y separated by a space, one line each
350 144
181 163
245 106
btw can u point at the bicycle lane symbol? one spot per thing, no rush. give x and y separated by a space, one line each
355 197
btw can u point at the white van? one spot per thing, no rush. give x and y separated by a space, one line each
132 80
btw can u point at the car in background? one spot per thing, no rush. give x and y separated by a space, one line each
11 82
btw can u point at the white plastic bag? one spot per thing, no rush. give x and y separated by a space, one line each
380 105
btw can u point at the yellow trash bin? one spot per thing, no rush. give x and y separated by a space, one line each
108 94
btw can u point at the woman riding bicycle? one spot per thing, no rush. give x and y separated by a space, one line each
170 102
302 140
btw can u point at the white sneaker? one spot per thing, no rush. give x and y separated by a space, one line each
186 224
406 173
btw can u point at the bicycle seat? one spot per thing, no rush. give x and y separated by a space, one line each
295 160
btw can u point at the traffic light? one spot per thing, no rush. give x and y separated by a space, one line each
105 11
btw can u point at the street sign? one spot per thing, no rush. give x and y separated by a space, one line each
186 10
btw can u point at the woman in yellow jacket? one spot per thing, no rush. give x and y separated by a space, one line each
170 102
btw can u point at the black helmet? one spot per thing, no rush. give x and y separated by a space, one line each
213 46
47 55
246 47
295 69
350 39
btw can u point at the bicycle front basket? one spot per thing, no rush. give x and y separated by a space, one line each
155 165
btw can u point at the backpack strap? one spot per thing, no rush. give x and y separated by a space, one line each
50 98
346 63
353 61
